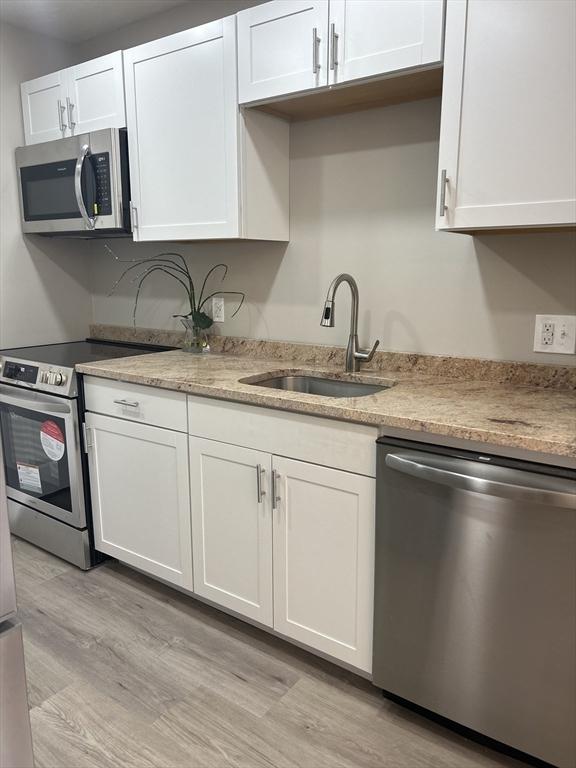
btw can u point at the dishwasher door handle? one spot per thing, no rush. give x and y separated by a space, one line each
518 485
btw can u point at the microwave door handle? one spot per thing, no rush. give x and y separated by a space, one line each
519 485
84 153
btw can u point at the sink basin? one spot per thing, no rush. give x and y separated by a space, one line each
315 385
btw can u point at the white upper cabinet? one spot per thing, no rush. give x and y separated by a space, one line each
373 37
83 98
507 150
290 46
282 48
96 94
182 132
44 108
198 170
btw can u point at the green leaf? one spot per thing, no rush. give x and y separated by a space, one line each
202 320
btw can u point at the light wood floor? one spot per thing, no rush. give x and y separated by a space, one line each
123 671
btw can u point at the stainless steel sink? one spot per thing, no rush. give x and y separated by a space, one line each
315 385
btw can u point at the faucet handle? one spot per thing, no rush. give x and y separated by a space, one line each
366 355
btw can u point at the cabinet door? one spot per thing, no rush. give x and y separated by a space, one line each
140 496
324 559
282 48
373 37
44 108
182 114
232 527
507 146
96 94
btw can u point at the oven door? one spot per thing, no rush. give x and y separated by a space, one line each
42 459
72 185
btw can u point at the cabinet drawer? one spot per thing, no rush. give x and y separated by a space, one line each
135 402
337 444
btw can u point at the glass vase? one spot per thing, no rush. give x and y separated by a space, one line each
195 338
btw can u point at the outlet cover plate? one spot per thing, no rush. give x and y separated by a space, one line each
555 333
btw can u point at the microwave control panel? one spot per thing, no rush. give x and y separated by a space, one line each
101 165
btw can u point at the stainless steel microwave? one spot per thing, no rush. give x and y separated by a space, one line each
76 187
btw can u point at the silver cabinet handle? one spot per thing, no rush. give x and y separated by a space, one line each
69 108
134 216
275 495
86 431
84 153
443 183
514 484
61 110
333 47
128 403
260 472
315 51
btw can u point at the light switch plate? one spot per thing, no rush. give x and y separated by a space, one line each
555 333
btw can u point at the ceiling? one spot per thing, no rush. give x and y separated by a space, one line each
78 20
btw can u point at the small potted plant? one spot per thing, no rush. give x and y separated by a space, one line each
196 322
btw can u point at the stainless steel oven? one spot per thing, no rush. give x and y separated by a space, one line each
41 425
77 186
42 453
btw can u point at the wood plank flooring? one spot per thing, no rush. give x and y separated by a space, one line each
123 671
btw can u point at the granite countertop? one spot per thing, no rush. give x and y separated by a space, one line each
521 416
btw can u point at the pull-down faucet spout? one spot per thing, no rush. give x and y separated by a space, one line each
354 354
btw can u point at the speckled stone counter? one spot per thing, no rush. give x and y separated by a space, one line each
529 417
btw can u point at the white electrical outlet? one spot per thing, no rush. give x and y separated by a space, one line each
218 309
547 337
555 333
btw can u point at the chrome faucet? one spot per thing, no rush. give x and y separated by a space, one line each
354 354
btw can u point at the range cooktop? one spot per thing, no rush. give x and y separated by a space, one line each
50 367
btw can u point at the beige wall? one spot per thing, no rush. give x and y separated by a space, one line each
43 283
362 201
190 14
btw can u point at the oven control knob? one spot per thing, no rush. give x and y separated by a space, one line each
44 377
59 378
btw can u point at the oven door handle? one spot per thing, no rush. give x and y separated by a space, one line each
26 400
84 153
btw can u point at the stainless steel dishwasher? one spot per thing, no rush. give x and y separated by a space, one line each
475 593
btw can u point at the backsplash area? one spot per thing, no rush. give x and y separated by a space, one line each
363 189
455 368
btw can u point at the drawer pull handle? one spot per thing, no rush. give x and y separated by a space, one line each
128 403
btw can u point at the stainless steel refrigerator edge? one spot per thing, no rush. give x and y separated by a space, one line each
475 594
15 735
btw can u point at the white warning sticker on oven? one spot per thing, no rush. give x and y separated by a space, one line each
29 478
52 440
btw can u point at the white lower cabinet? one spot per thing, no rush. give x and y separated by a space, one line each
232 527
141 496
284 542
295 553
324 559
